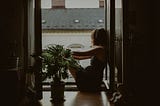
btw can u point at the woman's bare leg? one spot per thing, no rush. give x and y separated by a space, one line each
73 72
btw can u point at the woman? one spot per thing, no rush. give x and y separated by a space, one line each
90 78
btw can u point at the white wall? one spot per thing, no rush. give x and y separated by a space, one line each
46 3
82 3
67 39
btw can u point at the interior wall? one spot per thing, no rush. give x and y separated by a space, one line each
11 45
140 50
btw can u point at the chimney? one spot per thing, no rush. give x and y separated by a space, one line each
58 3
101 3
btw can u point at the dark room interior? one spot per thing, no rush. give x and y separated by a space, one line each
140 48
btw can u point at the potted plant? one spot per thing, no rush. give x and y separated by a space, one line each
55 63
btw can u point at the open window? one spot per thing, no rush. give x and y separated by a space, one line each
70 22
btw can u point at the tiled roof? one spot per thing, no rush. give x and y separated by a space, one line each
73 18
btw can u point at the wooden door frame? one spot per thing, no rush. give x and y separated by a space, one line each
110 4
38 49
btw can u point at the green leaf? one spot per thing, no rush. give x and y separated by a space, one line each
56 60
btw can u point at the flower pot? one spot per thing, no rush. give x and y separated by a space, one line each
57 91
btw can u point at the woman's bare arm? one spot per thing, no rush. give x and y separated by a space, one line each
81 57
89 52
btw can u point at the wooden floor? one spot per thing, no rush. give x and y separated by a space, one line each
73 98
76 98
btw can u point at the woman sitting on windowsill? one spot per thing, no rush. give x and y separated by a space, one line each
90 78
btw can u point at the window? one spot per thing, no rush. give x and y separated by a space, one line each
70 23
